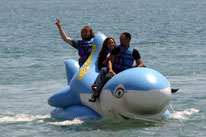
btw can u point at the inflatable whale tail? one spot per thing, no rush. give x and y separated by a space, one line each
72 67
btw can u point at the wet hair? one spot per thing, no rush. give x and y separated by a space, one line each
90 30
127 35
104 48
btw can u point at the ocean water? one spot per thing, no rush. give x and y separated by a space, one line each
169 34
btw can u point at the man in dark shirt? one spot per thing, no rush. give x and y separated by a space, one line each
124 48
121 58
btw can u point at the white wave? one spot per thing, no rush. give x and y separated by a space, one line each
67 122
183 114
35 118
23 118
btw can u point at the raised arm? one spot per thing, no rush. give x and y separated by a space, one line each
62 33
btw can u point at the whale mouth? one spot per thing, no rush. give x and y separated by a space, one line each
124 117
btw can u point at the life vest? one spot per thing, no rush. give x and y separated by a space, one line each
124 59
85 49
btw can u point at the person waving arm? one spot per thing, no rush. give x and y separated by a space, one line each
62 33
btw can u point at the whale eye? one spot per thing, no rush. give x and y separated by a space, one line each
119 92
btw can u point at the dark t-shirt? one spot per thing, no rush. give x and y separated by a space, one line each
116 50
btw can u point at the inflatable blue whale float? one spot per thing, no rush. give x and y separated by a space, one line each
131 94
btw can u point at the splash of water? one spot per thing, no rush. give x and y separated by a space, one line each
67 122
184 114
35 118
22 118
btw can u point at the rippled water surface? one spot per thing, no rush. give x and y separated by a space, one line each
169 34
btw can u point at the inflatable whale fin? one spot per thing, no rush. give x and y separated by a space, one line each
174 90
62 98
76 111
72 67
